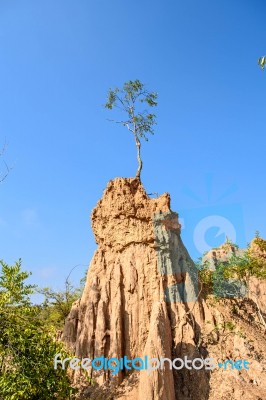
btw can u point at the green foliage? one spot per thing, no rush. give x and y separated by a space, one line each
230 277
225 326
257 262
13 290
205 275
236 267
27 347
57 304
262 62
132 99
230 326
261 243
225 280
133 94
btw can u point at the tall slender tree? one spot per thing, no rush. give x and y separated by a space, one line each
133 99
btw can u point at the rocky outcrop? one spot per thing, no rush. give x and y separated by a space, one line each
256 285
137 282
221 254
257 292
142 298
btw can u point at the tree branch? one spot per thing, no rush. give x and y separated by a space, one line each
8 169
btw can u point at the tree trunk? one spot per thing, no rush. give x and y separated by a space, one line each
138 157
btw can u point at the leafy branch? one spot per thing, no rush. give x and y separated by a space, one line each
131 99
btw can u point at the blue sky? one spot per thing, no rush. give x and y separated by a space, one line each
57 61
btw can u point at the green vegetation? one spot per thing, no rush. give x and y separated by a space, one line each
131 100
227 327
57 304
27 344
257 262
220 334
262 62
230 277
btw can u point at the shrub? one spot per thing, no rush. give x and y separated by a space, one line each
27 347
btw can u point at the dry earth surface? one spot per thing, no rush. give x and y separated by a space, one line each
142 298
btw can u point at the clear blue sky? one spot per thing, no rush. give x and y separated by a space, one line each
57 61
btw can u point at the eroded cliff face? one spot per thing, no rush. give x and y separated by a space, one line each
141 299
